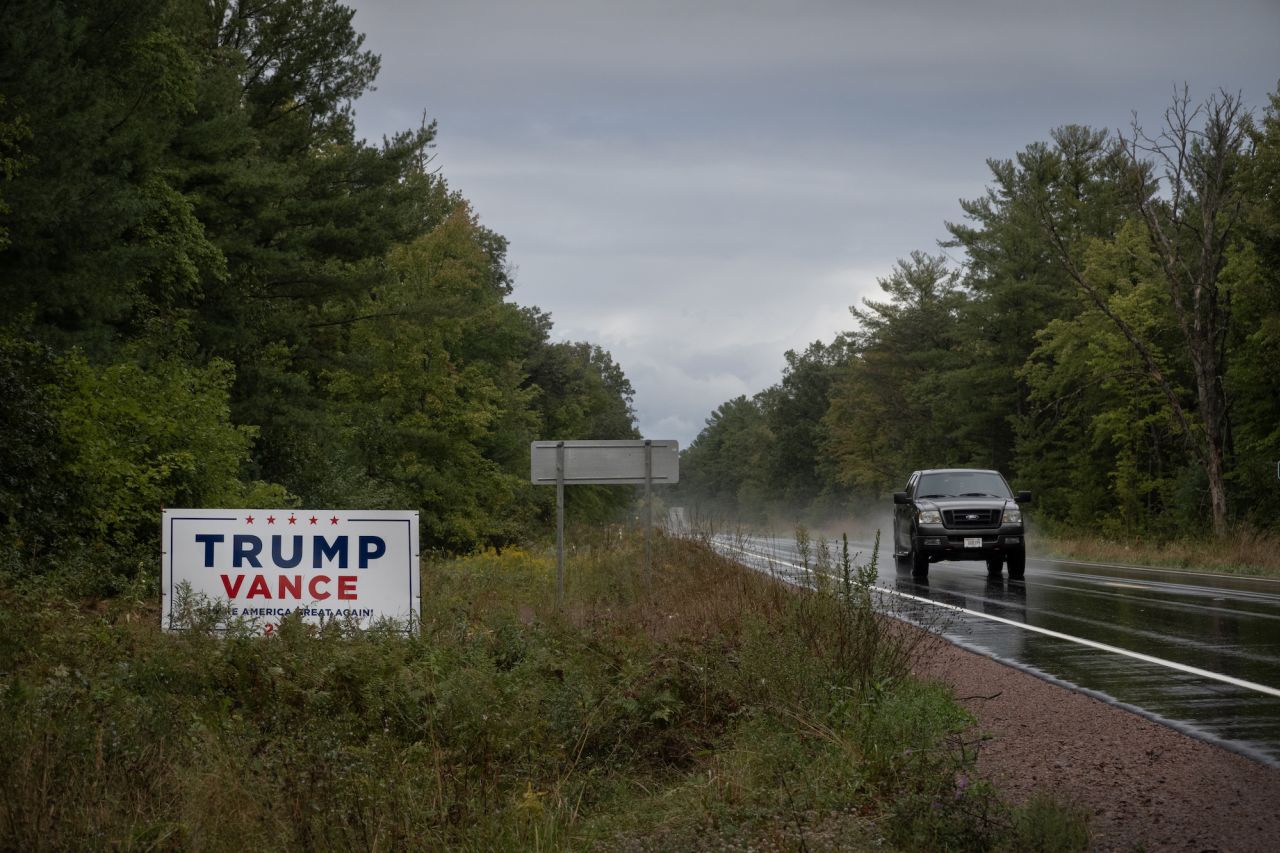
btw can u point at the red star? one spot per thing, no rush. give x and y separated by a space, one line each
292 519
271 519
248 519
333 520
313 519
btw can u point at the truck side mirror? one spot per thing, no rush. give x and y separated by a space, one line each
901 498
1023 498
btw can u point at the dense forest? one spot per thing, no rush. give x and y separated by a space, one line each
1103 325
216 295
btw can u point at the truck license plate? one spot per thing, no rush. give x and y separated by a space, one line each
973 542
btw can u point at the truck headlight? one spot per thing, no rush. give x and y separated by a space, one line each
929 516
1012 515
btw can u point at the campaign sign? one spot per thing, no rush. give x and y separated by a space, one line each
358 567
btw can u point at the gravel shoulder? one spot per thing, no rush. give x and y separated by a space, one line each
1145 786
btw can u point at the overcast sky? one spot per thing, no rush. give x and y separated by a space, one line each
700 186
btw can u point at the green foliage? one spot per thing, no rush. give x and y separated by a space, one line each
1252 275
153 435
1102 346
431 394
795 462
1088 390
13 132
230 298
895 407
581 393
1046 825
36 488
725 463
98 241
714 708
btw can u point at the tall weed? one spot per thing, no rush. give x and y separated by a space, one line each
716 700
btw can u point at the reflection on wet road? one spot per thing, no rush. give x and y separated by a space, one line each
1226 626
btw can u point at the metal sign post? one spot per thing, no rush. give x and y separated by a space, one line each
559 524
648 504
630 462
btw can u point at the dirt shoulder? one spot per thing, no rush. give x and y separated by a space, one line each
1145 786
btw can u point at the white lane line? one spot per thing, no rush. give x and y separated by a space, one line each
1181 667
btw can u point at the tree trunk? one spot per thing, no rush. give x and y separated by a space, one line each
1213 405
1183 185
1190 229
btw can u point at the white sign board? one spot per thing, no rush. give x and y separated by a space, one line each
354 566
605 462
677 521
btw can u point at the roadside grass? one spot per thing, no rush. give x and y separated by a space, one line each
704 707
1241 552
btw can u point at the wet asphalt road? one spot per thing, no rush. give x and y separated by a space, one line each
1229 627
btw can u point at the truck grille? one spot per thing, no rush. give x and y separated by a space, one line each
961 518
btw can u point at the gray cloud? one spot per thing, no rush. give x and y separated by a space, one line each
698 187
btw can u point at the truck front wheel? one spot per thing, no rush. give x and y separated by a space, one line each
919 563
1017 564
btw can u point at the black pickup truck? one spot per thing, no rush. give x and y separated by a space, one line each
959 514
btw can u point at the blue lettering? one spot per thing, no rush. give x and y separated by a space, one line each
208 540
279 559
337 549
371 548
245 547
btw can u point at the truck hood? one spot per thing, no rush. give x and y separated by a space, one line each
964 503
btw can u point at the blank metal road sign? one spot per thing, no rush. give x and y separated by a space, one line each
605 462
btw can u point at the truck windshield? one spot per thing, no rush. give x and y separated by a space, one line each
953 484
